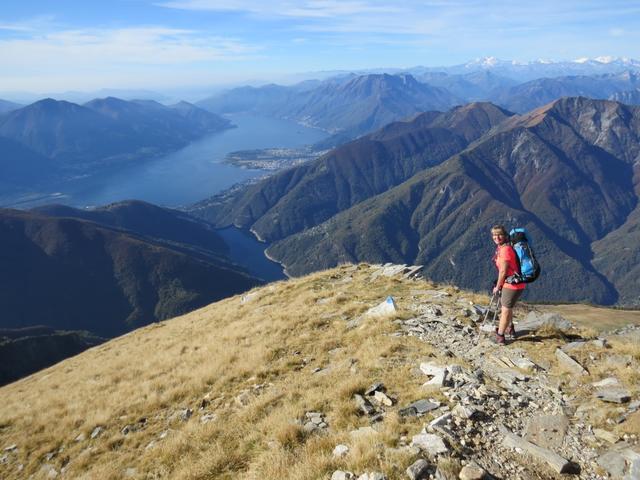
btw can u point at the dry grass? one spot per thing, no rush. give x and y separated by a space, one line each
264 350
252 364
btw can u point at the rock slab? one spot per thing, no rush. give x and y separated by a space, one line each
547 431
555 461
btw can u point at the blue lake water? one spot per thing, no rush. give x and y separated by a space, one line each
193 173
248 252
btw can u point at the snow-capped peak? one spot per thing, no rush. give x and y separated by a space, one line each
606 59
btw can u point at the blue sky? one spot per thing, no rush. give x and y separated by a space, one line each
59 45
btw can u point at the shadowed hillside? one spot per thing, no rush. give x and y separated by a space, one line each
74 274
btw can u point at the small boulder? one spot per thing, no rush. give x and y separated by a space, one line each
383 398
616 395
341 475
363 405
430 443
376 387
372 476
340 451
419 470
472 471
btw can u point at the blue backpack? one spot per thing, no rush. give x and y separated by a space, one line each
529 266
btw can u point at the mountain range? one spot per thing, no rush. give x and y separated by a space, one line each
526 71
565 171
7 106
78 139
109 270
350 105
521 98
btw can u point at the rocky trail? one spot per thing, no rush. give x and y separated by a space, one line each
507 416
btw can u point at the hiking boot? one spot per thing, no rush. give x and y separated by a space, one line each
499 339
510 332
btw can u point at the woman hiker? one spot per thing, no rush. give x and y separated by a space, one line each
507 265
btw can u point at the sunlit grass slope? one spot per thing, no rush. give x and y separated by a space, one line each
252 366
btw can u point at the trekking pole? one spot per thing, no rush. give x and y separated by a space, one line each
486 314
498 305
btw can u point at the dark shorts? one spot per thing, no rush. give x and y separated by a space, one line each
509 297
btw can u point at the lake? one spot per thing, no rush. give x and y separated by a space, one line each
248 252
193 173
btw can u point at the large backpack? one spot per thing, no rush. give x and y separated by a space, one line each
529 266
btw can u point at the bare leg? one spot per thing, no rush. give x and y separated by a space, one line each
506 316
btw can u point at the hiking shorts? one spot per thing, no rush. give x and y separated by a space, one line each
510 296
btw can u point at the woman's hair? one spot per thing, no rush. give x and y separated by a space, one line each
499 229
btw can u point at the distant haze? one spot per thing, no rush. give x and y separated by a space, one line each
161 45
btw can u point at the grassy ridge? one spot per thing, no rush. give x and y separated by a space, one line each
258 363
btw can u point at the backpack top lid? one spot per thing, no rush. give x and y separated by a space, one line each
517 235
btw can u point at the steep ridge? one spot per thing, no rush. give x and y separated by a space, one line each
617 256
74 274
368 102
152 221
64 130
268 384
529 95
347 106
7 106
307 195
18 164
164 127
25 351
105 130
563 171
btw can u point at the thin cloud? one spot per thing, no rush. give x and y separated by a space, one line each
15 27
308 9
35 24
101 47
419 17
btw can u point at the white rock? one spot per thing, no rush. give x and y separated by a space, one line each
383 398
248 297
372 476
438 373
430 443
607 382
340 475
96 432
462 411
472 471
386 308
340 451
